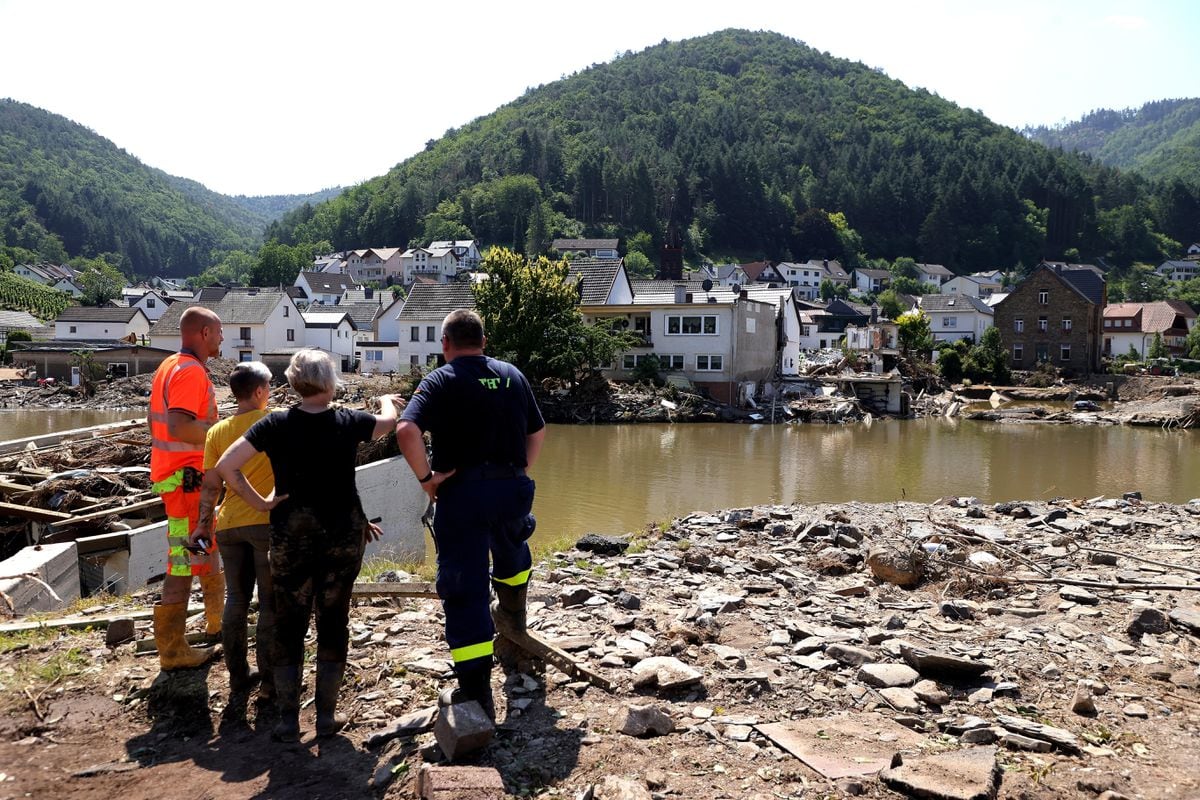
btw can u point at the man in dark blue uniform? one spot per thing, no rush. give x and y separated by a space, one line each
486 429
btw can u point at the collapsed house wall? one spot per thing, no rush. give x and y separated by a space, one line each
30 579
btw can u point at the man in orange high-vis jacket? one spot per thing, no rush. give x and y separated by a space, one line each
182 409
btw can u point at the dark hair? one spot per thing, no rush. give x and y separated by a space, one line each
248 376
463 329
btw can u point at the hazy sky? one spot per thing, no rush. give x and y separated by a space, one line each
258 97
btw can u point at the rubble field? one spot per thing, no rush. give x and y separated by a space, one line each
952 650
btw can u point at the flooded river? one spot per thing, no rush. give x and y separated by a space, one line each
614 479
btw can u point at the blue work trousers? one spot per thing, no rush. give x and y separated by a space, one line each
475 518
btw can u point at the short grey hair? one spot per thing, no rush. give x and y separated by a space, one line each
311 372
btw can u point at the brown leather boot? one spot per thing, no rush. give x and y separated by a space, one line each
173 650
213 587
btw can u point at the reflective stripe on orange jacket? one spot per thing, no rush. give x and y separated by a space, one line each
181 383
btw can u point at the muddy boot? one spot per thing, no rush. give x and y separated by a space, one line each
287 700
508 611
173 650
475 684
213 588
329 683
233 640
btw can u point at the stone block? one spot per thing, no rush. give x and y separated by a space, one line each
462 729
459 783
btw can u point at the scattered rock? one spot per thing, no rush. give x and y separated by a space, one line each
614 788
900 566
971 774
883 676
932 663
602 545
644 720
463 729
664 672
119 631
1083 702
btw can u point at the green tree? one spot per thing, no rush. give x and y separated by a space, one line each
905 267
445 223
530 313
1191 345
278 264
1158 349
916 339
988 360
99 280
827 290
638 265
889 304
647 369
950 365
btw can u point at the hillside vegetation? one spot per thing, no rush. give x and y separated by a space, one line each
756 145
22 294
1160 140
66 192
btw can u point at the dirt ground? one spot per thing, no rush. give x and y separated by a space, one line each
774 608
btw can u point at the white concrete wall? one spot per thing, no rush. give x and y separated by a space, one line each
388 490
56 565
102 330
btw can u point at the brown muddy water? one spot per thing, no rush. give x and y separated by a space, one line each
618 478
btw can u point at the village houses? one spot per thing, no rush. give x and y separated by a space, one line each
441 261
956 316
324 288
257 323
1131 327
933 275
588 248
332 331
976 285
1182 270
105 323
1055 316
871 281
375 265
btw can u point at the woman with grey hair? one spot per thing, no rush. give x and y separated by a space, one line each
318 529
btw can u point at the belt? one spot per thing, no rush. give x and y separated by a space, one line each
490 472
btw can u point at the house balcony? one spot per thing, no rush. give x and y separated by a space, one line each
242 342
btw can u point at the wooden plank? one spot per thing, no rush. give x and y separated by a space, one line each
73 435
111 510
78 623
29 512
416 589
535 645
142 646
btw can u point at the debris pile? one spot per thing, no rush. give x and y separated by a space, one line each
1025 649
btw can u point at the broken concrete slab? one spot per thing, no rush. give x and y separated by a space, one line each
934 664
643 721
664 672
1062 739
883 676
970 774
44 577
462 729
843 746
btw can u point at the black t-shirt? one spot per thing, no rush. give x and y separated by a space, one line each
312 456
478 410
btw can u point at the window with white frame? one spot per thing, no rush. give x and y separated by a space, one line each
1064 352
1043 323
949 322
688 325
1066 323
709 363
631 360
1044 298
1018 352
1019 325
672 362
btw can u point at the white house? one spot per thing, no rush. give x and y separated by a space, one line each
255 322
419 321
442 261
719 341
976 285
1134 325
601 281
331 263
375 265
956 316
333 332
871 281
70 286
591 248
806 277
154 303
726 275
101 322
933 275
1193 250
1183 270
324 288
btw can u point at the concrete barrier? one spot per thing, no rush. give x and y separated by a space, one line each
54 565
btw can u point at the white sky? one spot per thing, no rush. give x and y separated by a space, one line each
267 97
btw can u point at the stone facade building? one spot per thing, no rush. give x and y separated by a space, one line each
1055 315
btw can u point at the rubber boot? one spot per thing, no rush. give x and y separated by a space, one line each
262 651
233 640
508 611
474 684
173 650
213 588
329 683
287 700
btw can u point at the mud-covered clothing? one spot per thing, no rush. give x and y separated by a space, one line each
479 411
313 568
244 553
234 512
313 458
319 532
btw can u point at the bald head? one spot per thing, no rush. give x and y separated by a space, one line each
200 331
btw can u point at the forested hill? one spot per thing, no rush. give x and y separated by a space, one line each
1160 139
273 206
66 191
744 141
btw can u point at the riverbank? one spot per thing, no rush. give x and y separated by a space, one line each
1018 650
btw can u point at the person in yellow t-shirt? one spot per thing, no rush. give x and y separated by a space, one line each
243 536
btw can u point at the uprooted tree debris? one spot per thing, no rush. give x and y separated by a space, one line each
945 650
